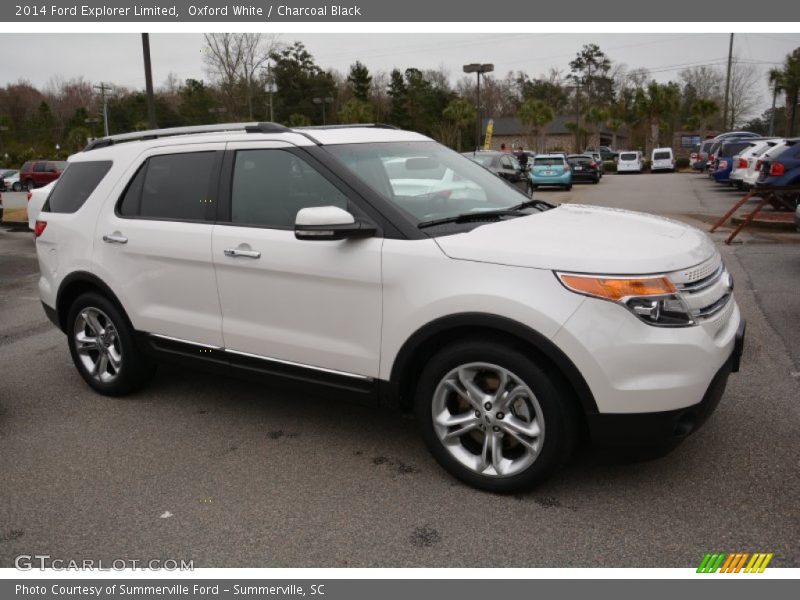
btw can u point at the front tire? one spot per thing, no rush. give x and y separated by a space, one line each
29 185
103 349
492 418
16 186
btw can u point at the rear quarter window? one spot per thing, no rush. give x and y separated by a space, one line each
175 187
75 185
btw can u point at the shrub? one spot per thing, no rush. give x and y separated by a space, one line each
609 166
682 163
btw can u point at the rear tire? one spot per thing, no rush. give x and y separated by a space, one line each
497 437
103 348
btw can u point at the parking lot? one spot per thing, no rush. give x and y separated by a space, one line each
229 473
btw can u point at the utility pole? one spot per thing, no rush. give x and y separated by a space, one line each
727 85
270 88
103 87
148 82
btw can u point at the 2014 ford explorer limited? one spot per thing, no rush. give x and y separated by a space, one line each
509 327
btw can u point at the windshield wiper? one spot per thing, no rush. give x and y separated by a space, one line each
481 215
541 204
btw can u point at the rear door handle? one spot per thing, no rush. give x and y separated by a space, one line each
236 253
115 238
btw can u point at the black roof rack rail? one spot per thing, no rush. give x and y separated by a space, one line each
152 134
349 126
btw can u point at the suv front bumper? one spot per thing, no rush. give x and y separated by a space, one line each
668 428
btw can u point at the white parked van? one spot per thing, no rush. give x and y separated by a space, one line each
630 161
662 159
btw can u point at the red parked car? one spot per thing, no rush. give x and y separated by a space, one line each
38 173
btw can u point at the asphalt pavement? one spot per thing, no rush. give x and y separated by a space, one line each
234 474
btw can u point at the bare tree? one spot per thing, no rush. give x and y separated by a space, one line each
232 61
706 81
743 98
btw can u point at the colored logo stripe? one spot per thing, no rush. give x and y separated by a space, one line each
735 562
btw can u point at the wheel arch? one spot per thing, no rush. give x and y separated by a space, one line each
78 283
430 338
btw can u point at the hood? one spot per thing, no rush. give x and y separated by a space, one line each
584 239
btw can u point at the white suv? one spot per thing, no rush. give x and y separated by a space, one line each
508 326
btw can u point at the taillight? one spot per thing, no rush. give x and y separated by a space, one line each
742 163
593 165
777 169
39 229
758 165
29 196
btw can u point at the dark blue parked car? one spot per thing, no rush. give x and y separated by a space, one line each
782 168
723 162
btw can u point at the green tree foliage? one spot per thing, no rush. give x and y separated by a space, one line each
360 81
589 70
786 80
551 93
398 94
299 80
460 114
701 114
355 111
77 139
658 105
536 115
197 103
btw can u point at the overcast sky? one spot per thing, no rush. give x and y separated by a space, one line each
117 58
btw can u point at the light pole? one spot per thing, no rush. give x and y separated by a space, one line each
323 102
478 69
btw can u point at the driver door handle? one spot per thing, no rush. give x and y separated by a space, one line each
115 238
236 253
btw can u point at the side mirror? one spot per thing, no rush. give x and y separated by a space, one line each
329 223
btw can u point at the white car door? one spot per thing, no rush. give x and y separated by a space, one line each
298 302
153 243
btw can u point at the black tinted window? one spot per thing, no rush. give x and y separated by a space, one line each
40 167
132 198
76 184
270 186
733 148
661 156
171 186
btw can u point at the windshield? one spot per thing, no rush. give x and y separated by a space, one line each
427 180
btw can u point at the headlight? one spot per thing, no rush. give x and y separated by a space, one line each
654 300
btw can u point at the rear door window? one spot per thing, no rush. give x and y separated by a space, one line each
662 156
628 156
75 185
174 187
40 167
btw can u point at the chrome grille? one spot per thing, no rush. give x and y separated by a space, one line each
706 290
